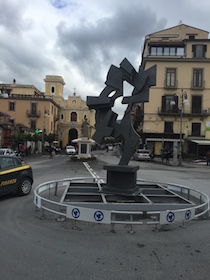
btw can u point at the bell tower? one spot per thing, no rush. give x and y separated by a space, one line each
54 86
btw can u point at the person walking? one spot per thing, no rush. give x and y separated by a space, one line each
208 158
51 151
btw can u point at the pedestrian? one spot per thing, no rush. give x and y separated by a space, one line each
22 150
52 151
167 155
208 158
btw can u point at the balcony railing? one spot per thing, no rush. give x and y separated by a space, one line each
166 112
201 133
56 118
170 86
196 86
186 112
33 114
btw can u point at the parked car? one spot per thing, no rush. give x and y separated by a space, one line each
16 176
70 150
7 151
142 154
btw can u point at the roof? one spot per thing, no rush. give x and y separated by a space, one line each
179 25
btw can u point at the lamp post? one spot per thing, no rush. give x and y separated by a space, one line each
43 131
184 101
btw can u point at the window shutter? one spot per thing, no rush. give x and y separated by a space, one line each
163 103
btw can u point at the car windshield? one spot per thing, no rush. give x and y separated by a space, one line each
145 152
70 147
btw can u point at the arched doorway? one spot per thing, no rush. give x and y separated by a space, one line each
73 134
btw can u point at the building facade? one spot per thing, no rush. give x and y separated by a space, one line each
48 111
72 111
178 110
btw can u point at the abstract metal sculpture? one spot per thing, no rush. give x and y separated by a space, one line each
106 124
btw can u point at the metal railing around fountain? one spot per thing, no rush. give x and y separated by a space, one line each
49 196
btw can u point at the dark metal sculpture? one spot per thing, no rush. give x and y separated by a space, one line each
106 124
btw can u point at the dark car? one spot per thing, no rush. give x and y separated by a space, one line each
54 148
16 176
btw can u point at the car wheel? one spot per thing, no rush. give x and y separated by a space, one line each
25 186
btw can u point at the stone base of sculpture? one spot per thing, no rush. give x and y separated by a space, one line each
121 179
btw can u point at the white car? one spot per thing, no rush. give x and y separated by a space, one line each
7 152
70 150
142 154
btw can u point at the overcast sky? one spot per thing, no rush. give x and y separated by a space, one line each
80 39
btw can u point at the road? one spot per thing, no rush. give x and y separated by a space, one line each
34 248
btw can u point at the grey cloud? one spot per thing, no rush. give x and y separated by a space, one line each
11 17
92 48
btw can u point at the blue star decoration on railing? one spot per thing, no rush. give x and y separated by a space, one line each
98 216
188 215
75 213
170 217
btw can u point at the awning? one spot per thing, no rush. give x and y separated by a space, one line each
163 140
201 142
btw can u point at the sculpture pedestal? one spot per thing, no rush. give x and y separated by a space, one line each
121 179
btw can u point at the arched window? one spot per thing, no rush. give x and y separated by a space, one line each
52 90
73 117
61 116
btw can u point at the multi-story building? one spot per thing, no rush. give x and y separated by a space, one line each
178 110
26 105
48 111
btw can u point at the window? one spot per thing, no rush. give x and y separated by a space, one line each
73 117
11 106
52 90
199 51
196 104
180 51
196 129
52 110
166 50
169 127
170 77
167 106
33 107
33 124
197 77
61 116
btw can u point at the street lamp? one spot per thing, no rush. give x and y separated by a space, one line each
184 101
43 131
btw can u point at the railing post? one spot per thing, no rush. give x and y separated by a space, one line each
56 188
131 225
112 223
74 225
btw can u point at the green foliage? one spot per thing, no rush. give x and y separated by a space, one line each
50 137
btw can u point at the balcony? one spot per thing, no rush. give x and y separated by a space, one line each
33 114
196 133
204 113
166 112
56 118
198 86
